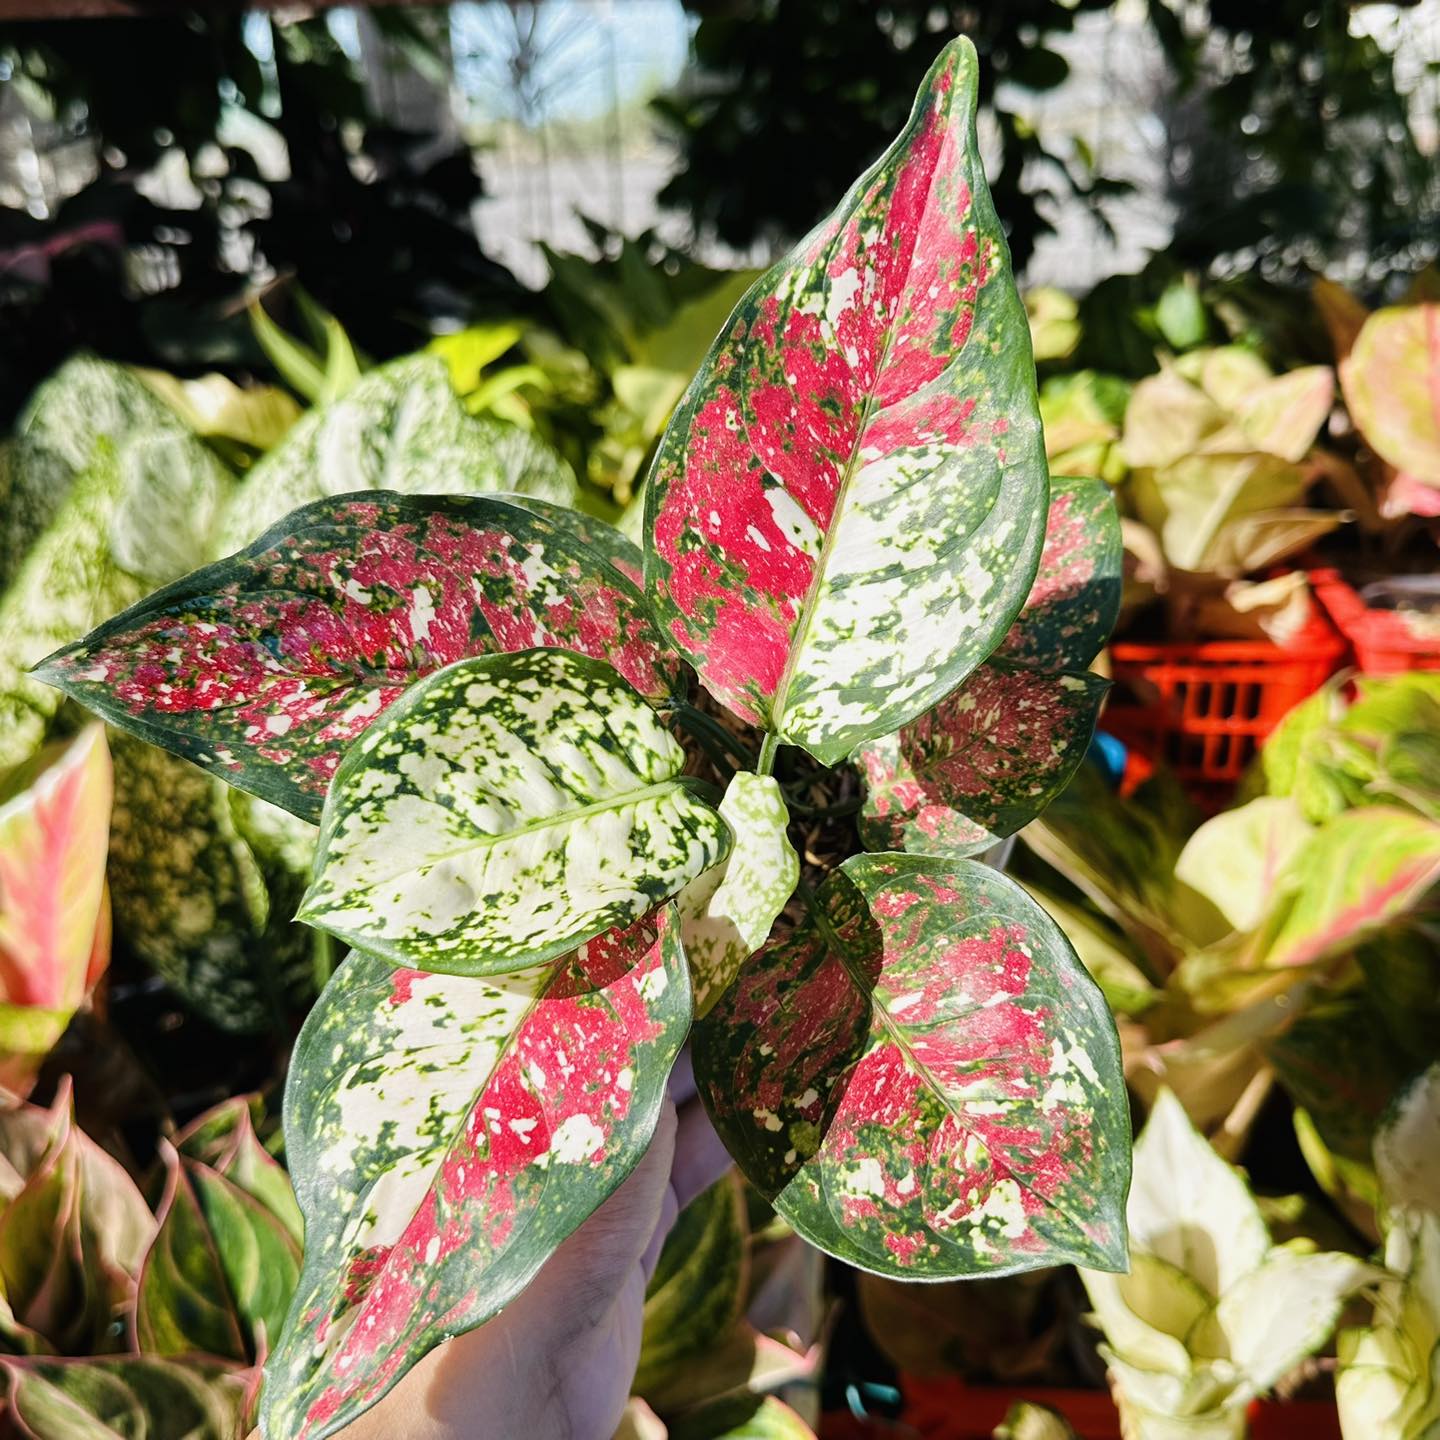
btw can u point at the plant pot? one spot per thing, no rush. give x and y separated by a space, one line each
1384 642
949 1409
1203 708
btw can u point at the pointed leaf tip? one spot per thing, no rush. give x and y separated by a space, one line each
846 510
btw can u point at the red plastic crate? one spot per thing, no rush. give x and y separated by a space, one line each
1202 709
949 1409
1383 642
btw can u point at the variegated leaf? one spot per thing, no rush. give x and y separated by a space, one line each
847 508
400 427
54 923
445 1135
265 666
728 911
1392 384
224 1139
923 1079
125 1398
1362 870
695 1296
993 754
72 1234
505 810
220 1275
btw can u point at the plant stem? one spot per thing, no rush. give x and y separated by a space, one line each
768 747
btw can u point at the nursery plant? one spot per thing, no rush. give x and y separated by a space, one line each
1261 941
1212 1313
1388 1387
852 537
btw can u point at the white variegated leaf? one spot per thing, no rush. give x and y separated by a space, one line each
728 911
506 809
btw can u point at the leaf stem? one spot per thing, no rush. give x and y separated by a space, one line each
768 747
716 740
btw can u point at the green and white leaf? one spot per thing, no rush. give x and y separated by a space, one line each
728 911
400 427
505 810
1407 1146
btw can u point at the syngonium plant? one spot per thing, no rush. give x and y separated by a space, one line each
852 537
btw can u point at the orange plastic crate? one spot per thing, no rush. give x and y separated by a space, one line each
1383 642
1202 709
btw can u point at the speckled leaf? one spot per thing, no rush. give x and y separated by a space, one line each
927 1084
199 900
86 401
425 1120
67 584
695 1295
54 922
728 911
221 1273
127 1398
505 810
1392 384
401 427
265 666
847 508
993 754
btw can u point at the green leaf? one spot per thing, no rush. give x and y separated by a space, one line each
401 427
224 1139
505 810
425 1119
696 1293
1025 1421
728 911
195 899
214 405
220 1275
263 667
991 756
1147 1314
1391 378
129 1398
744 1417
846 511
923 1079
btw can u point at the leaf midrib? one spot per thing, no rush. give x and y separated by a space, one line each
936 1088
562 817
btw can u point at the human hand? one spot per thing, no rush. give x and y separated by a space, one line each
557 1363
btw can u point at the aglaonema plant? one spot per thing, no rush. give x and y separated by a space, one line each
851 535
